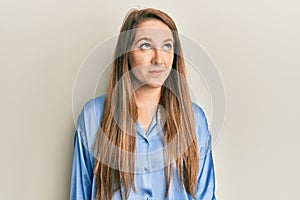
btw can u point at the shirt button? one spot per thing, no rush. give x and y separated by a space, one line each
146 170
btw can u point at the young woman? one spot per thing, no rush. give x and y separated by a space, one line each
144 139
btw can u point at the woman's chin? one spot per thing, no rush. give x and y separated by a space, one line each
154 85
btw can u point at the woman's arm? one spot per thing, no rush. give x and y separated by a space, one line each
82 170
206 180
206 176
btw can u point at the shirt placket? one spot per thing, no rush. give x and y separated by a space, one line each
147 178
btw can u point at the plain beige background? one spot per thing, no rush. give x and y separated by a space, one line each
255 45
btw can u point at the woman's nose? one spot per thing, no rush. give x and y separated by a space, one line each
158 57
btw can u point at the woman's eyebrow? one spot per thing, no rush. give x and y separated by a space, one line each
150 40
168 40
144 38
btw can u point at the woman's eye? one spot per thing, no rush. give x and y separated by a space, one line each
145 46
168 47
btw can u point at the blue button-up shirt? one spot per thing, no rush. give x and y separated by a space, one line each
149 177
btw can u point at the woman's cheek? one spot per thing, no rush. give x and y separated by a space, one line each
138 74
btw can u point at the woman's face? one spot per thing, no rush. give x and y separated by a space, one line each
151 53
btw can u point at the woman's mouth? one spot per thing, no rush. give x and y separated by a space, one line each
156 72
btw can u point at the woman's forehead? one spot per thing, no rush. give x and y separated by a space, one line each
152 23
153 29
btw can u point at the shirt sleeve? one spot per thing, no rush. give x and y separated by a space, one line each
82 169
206 178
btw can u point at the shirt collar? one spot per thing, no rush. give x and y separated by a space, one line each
154 127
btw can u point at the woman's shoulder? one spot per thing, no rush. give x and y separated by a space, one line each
94 107
91 112
199 114
89 120
202 130
95 102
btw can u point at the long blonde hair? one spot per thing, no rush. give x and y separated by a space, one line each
120 107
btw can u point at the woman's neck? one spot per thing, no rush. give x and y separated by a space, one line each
147 96
147 99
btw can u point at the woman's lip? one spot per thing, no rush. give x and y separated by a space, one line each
156 71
